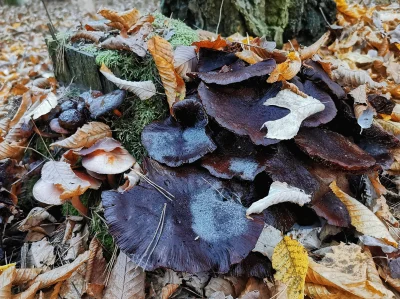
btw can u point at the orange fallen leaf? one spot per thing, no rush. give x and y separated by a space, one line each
125 18
286 70
217 44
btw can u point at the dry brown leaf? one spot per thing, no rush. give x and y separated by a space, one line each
35 217
218 284
61 273
25 275
163 55
393 282
29 293
217 44
74 286
293 88
286 70
390 126
348 269
126 280
317 291
134 43
185 60
11 149
249 56
85 136
41 107
311 50
94 36
144 89
127 18
132 178
363 219
143 20
6 279
169 290
96 270
62 176
353 11
354 78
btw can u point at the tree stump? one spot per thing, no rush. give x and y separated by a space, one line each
78 67
278 20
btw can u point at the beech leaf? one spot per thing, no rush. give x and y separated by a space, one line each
185 60
144 89
362 218
300 108
126 280
290 260
41 108
278 193
163 55
286 70
85 136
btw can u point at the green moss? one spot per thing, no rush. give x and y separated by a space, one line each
89 48
137 115
99 228
183 34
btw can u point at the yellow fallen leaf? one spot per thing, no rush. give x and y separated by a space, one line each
363 219
249 56
163 55
317 291
2 268
290 260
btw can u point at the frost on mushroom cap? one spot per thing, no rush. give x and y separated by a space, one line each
204 228
184 140
235 156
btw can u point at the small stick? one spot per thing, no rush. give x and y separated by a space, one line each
220 16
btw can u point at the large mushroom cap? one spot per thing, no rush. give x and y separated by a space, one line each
203 227
184 140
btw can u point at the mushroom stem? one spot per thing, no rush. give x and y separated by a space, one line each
111 180
77 204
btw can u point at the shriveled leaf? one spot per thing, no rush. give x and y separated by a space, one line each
94 36
74 286
290 260
24 275
354 78
163 55
309 51
61 273
43 107
143 20
132 178
6 279
390 126
85 136
318 291
125 18
359 94
169 290
286 70
217 44
29 293
144 89
185 60
36 216
278 193
126 280
300 108
363 219
61 175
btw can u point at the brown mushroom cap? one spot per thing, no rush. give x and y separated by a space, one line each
204 226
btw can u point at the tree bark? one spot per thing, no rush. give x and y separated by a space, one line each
278 20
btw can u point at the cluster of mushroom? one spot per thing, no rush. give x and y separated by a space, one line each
211 160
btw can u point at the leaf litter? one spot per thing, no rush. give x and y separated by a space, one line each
303 141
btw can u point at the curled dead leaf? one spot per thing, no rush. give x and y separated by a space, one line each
286 70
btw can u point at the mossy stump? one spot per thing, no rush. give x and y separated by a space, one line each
78 67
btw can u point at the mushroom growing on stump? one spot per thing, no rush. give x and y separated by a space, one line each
181 140
182 218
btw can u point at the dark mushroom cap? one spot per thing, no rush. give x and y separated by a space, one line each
101 105
241 109
235 157
334 149
204 228
312 71
210 59
286 167
181 140
254 265
259 69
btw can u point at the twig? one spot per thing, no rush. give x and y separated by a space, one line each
220 16
48 15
